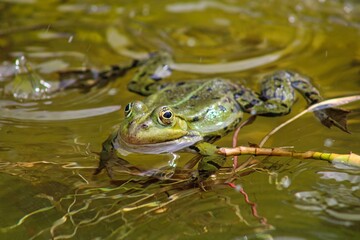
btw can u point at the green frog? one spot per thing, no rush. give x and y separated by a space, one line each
192 115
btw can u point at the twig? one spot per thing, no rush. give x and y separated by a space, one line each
349 159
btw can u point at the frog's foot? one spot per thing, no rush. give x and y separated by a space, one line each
78 78
86 79
110 160
333 117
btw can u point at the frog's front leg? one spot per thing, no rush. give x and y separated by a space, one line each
150 72
109 158
211 161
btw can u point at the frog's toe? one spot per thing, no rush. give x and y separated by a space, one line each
333 117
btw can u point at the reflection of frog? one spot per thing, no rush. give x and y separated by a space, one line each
193 114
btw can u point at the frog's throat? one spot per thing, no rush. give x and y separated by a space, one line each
125 148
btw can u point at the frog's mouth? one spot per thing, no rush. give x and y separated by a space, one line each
124 148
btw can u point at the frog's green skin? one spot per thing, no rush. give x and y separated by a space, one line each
193 114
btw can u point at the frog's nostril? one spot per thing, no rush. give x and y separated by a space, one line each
144 126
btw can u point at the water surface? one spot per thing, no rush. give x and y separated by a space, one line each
47 145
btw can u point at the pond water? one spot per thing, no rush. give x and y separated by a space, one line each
48 142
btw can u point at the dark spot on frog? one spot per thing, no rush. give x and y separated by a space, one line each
162 86
195 119
196 149
247 106
227 131
211 139
168 91
214 164
194 97
142 74
209 89
180 83
222 108
239 94
215 98
278 81
147 87
255 102
308 94
284 105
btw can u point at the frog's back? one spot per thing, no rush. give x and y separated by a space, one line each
208 106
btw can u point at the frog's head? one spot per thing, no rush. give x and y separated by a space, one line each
154 128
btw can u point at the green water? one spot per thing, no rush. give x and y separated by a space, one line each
47 146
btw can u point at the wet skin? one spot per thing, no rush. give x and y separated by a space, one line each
193 114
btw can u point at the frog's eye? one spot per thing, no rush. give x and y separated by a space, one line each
166 116
128 110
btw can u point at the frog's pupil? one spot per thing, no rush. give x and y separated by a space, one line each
167 114
127 108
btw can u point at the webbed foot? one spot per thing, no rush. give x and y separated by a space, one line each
333 117
86 79
110 161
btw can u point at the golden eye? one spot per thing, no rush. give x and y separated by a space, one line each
127 110
166 116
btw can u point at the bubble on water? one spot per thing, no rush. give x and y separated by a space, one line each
285 182
191 42
299 7
329 142
238 188
348 8
112 91
292 19
71 38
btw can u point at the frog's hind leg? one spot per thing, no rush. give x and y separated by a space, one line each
277 96
329 116
150 73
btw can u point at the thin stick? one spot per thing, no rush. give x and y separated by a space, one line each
349 159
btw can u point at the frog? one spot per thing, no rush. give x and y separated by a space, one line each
192 115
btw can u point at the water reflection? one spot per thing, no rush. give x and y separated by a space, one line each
337 203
